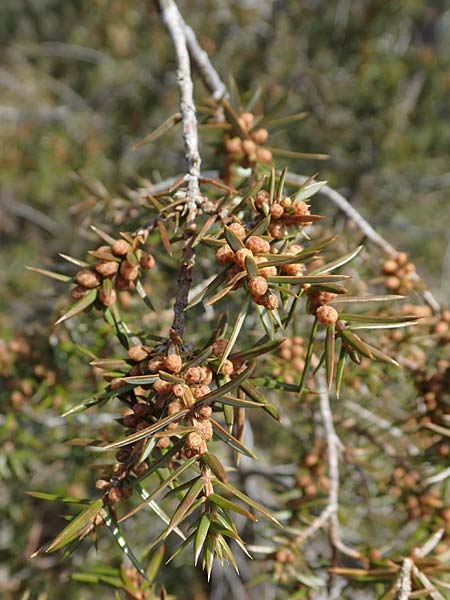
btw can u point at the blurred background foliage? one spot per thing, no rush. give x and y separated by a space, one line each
82 81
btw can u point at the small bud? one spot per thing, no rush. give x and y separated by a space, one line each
224 255
204 412
129 272
120 248
78 292
265 271
238 230
402 258
173 363
258 286
277 230
300 208
107 268
293 269
246 120
174 407
219 346
162 387
121 284
227 368
327 315
206 375
155 365
276 210
392 282
178 390
193 375
259 136
137 353
107 299
234 146
147 261
286 202
241 255
101 484
270 302
249 147
390 266
264 155
257 245
114 495
262 197
87 278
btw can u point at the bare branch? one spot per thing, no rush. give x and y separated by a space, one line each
404 581
207 72
420 575
175 25
330 513
347 209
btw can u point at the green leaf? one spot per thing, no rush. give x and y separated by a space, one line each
251 267
229 505
212 462
79 306
155 563
362 299
309 190
51 274
184 506
236 329
74 261
280 185
256 396
103 235
147 432
123 545
143 294
285 120
339 262
291 154
257 350
159 131
183 467
259 228
233 240
239 402
225 388
366 350
249 501
77 528
211 287
181 547
308 356
152 505
200 536
329 354
230 440
55 497
307 279
140 379
366 319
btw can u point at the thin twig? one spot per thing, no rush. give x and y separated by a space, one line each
176 28
404 581
175 25
430 544
420 575
207 72
330 513
349 211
